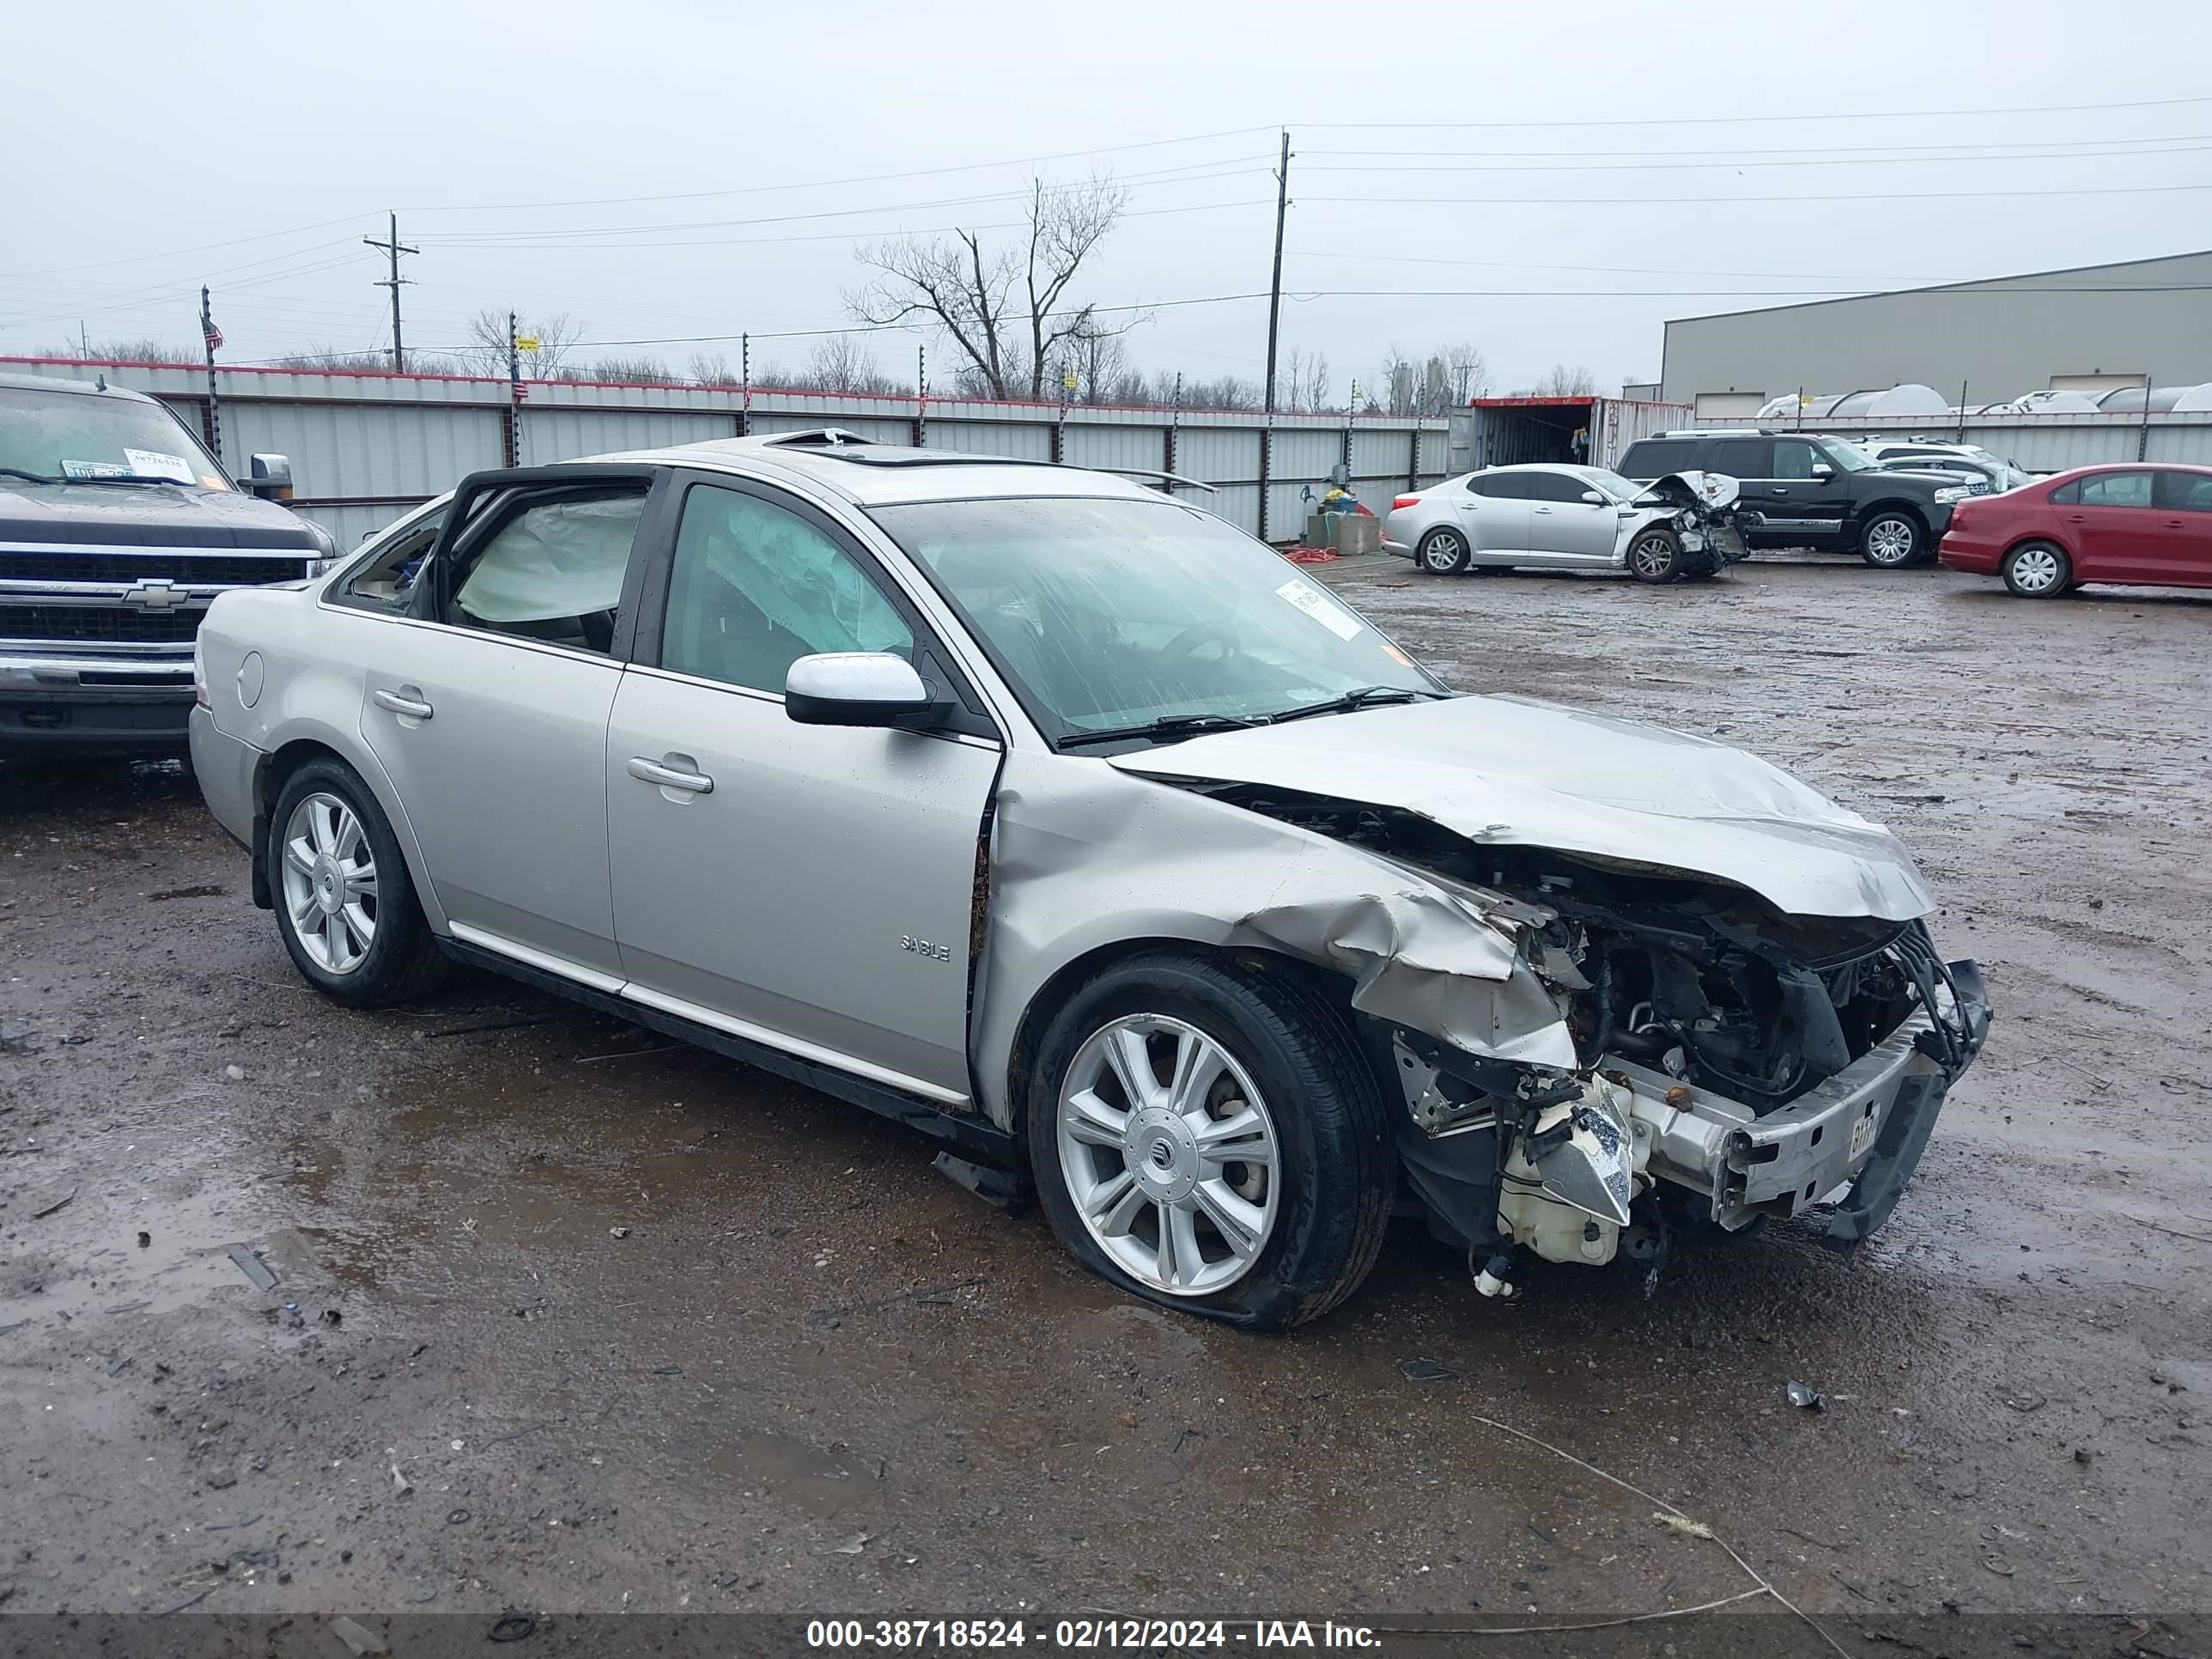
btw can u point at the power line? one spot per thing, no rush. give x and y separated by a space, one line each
1743 121
1640 201
1928 151
1742 163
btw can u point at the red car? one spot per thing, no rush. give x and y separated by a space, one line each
2141 523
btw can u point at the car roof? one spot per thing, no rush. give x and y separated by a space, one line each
1572 468
2124 466
870 474
88 388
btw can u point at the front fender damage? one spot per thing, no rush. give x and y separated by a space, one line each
1085 858
1573 1039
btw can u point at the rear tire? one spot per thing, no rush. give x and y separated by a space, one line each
1317 1195
345 901
1894 540
1655 556
2037 570
1442 552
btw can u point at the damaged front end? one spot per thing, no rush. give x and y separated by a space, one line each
1701 508
1731 1061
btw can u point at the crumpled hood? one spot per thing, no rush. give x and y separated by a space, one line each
1513 771
146 515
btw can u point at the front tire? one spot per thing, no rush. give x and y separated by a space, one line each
1212 1140
345 903
1892 541
2037 570
1655 555
1442 552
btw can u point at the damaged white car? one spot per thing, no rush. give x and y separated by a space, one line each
1551 517
1057 819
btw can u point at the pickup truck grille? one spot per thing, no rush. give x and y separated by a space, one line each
98 621
186 566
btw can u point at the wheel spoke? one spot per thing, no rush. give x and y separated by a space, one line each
1115 1204
1243 1139
334 940
348 837
1242 1223
1197 1063
1179 1259
1095 1123
302 906
323 826
1133 1065
358 924
299 854
360 882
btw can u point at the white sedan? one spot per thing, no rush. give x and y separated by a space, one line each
1568 518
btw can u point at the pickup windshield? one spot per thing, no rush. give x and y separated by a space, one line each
74 435
1145 616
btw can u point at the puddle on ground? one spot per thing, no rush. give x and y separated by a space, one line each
822 1485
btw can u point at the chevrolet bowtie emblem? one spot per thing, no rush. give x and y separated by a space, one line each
154 595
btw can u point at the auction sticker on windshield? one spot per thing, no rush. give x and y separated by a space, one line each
152 463
1322 608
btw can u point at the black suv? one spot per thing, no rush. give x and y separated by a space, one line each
1805 490
117 529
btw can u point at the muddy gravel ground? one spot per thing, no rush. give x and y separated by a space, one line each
566 1320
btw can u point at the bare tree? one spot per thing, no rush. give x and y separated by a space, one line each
710 368
556 336
630 371
147 350
1306 381
1398 384
840 362
1100 361
1469 374
1561 382
1004 309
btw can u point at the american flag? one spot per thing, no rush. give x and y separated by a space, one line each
208 330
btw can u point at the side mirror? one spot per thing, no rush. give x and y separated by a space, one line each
858 687
1823 471
270 477
1595 498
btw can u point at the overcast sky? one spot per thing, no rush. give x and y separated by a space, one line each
153 147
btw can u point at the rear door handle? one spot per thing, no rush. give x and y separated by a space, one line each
2077 518
1778 489
407 699
671 772
1543 509
2175 523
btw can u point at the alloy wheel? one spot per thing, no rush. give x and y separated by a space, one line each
1170 1154
1651 557
330 883
1443 552
1890 542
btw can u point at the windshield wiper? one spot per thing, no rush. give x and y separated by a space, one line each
1363 697
1168 726
103 478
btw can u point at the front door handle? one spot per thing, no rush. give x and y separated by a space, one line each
2077 518
1543 509
2175 523
407 699
1778 489
671 772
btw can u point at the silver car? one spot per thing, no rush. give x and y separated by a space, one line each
1066 824
1568 518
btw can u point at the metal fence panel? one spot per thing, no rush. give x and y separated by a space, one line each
1240 505
1110 446
1306 456
562 435
1220 455
349 451
1381 454
1030 440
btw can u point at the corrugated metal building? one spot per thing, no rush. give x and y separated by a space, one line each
1999 338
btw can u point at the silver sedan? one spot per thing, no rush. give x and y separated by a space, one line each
1069 825
1561 518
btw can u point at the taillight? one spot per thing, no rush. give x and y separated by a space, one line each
1404 501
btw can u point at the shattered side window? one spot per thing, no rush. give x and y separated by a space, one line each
755 587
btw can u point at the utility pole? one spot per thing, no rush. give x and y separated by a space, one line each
922 395
212 336
1275 286
1274 324
395 281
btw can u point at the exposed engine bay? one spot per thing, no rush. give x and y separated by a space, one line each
1704 517
1734 1061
